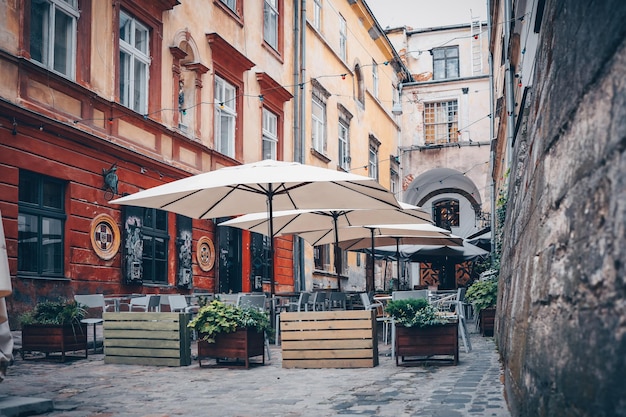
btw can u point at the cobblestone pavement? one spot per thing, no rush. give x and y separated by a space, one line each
88 387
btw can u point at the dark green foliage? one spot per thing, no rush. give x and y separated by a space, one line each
54 312
483 294
414 312
217 317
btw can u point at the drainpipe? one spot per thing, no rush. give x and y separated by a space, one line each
492 153
508 81
299 73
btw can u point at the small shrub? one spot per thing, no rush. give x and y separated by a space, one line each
414 312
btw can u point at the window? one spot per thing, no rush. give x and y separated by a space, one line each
53 34
155 241
372 166
134 63
318 125
231 4
41 220
343 39
317 14
375 78
321 257
225 117
270 23
446 214
344 146
360 84
394 180
441 122
446 63
270 134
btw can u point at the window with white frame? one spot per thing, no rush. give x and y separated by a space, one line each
318 125
445 63
360 84
344 146
441 122
317 14
321 257
270 134
225 116
394 180
372 166
343 39
231 4
270 23
375 79
134 63
53 34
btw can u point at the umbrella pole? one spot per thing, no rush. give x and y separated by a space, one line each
338 260
398 259
369 286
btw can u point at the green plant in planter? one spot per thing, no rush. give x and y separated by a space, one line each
483 294
218 317
60 312
414 312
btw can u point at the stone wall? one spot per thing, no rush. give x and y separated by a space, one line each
561 325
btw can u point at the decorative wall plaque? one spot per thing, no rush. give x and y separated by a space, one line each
205 253
105 236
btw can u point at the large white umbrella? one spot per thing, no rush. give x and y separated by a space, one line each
330 220
359 237
266 185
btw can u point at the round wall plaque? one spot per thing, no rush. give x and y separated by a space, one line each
205 253
105 236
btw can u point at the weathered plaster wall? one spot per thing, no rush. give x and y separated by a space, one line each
561 327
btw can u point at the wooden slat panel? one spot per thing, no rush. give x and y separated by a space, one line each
137 316
338 363
325 324
141 352
327 334
329 339
147 343
326 344
326 315
140 334
144 325
327 354
160 339
127 360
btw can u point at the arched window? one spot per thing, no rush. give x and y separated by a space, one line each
360 84
446 213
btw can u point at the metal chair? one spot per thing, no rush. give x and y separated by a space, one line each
257 301
146 303
337 301
93 301
319 301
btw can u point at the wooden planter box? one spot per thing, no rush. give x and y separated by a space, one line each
48 338
160 339
329 339
240 345
428 343
487 319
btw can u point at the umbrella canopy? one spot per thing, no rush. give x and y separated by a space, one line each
351 238
428 253
330 220
358 237
266 185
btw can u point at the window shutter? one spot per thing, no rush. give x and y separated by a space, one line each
184 227
132 263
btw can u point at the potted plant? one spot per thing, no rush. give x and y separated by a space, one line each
228 331
483 295
54 326
421 331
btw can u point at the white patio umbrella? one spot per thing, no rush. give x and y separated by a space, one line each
330 220
359 237
266 185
